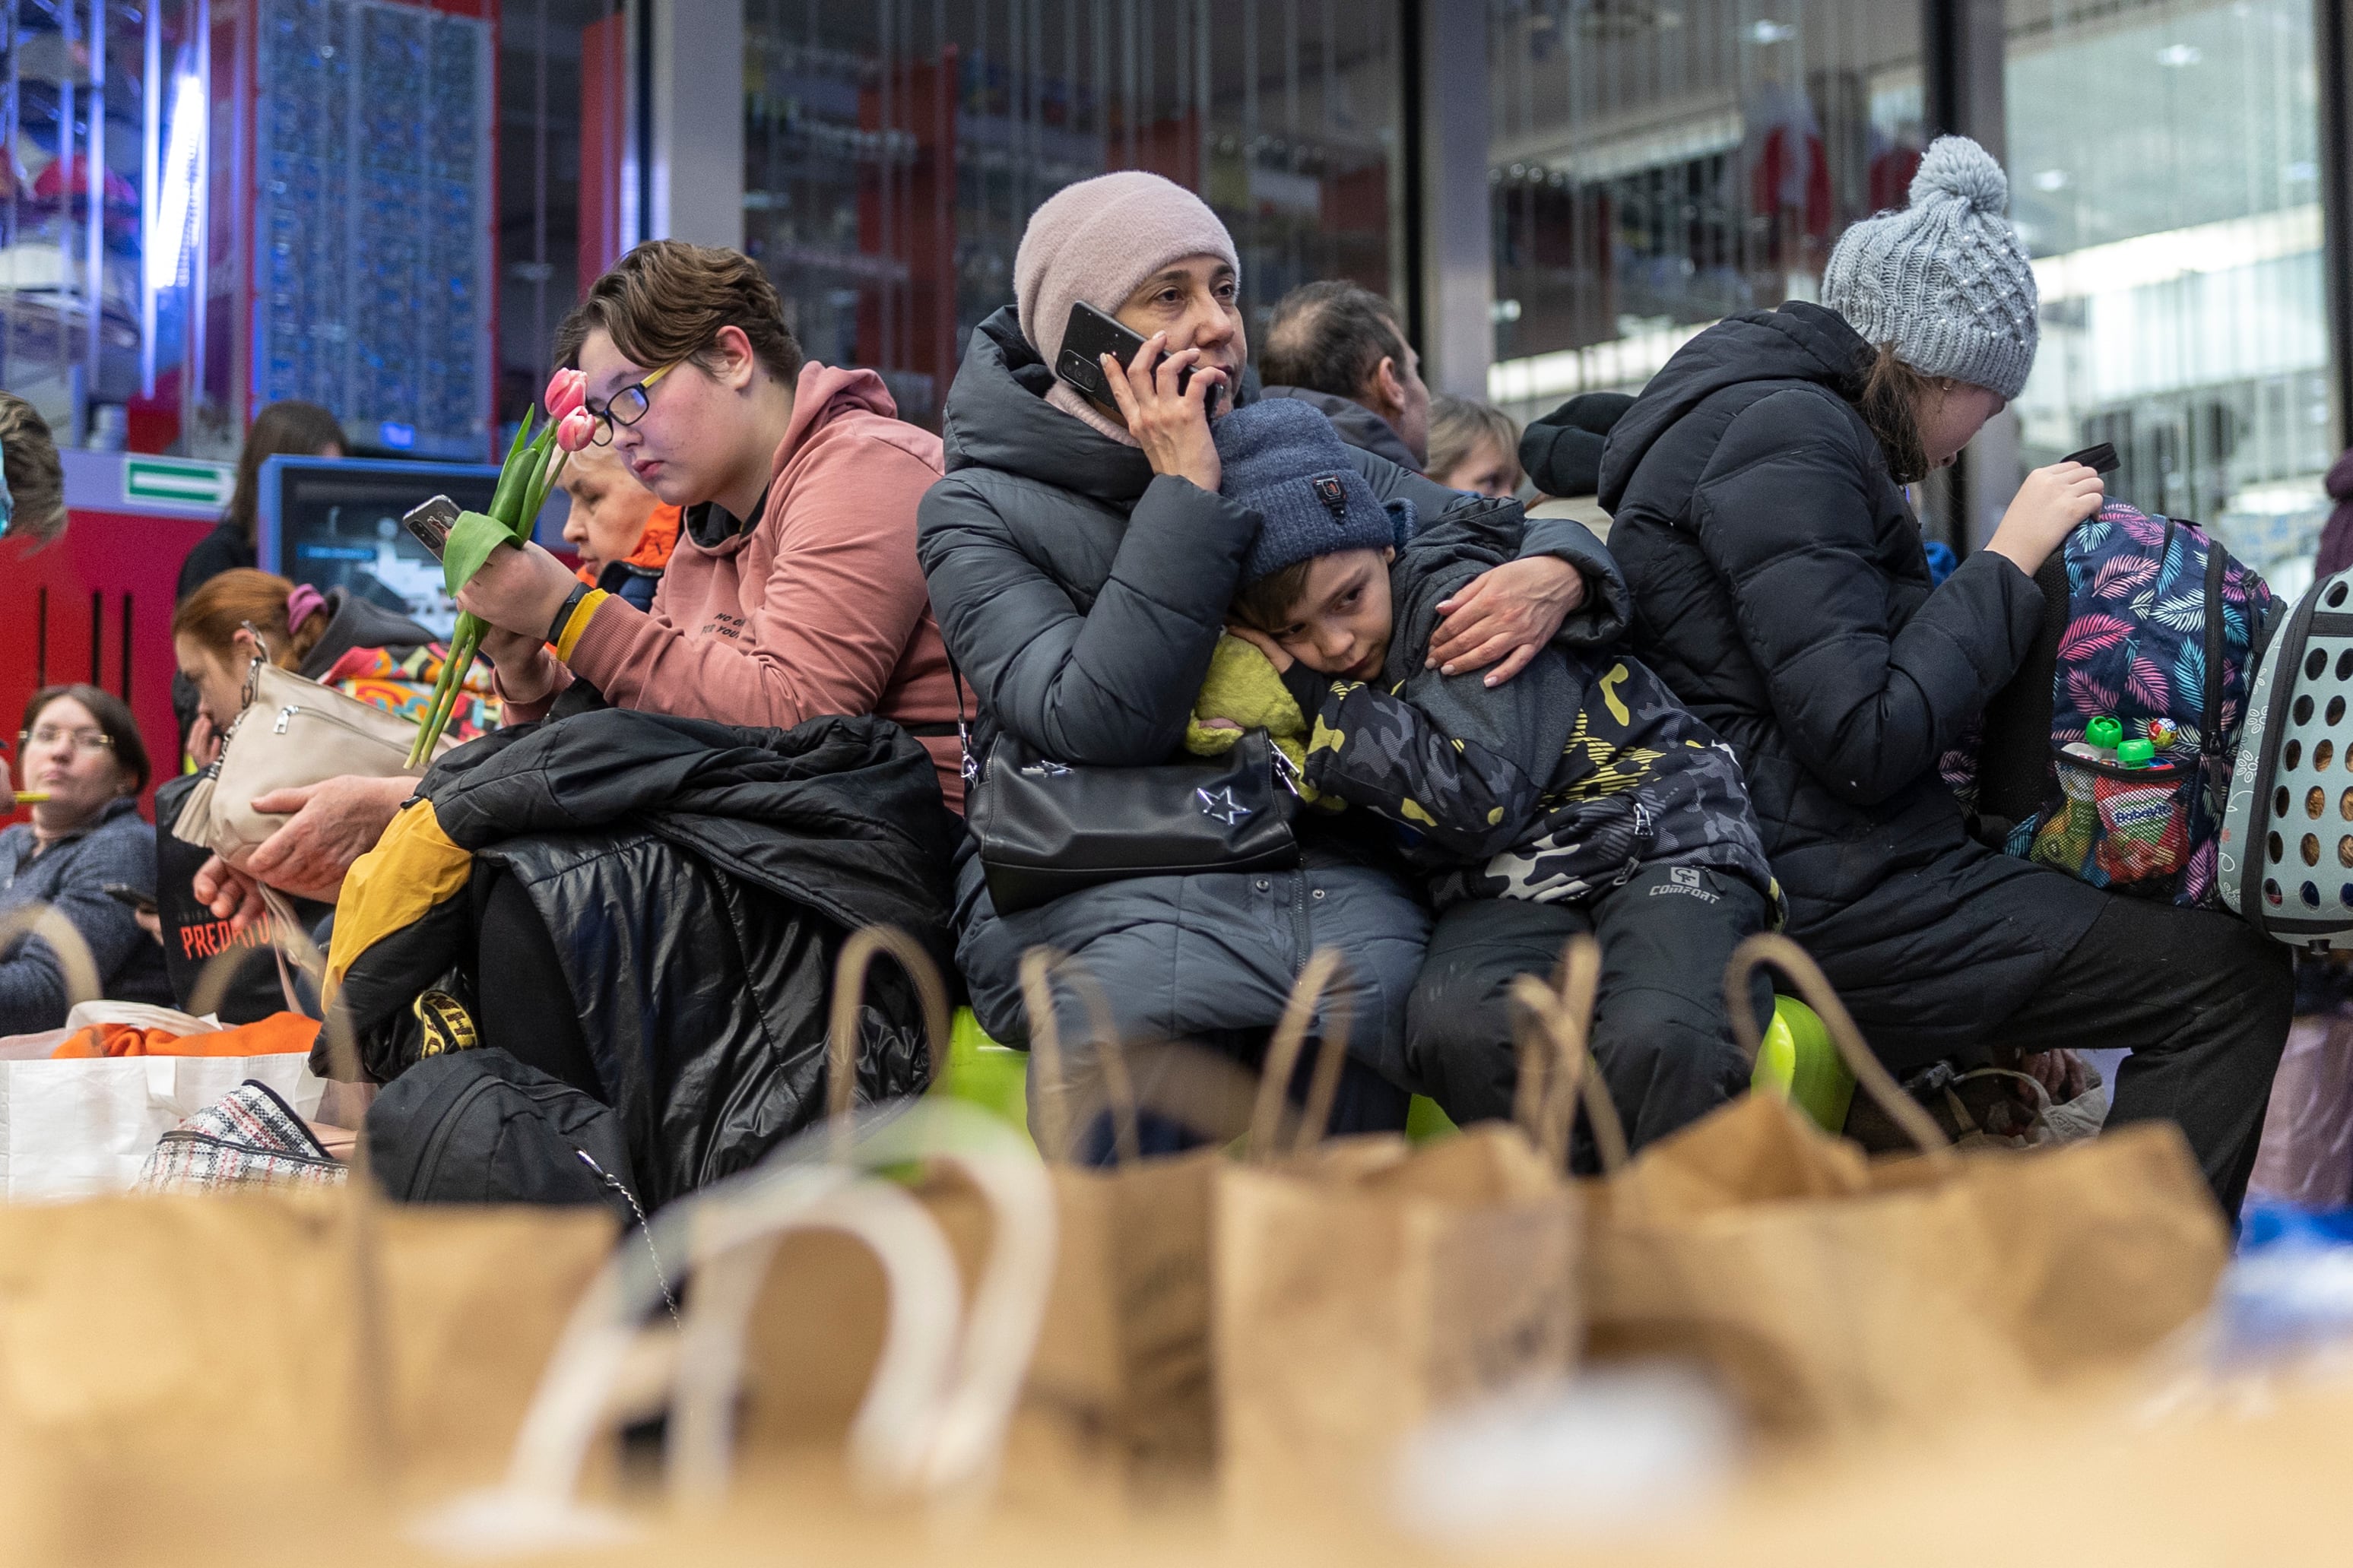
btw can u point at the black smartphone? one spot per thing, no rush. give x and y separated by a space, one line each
1090 335
2100 459
430 523
124 893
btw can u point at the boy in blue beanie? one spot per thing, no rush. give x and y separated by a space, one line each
1579 797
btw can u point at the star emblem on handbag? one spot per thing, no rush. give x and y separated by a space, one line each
1222 806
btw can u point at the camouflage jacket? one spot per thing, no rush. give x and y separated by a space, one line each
1556 785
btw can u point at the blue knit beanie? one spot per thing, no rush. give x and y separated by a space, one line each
1283 460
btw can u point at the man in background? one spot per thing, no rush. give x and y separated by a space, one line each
1339 348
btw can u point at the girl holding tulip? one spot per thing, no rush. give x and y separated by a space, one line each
793 591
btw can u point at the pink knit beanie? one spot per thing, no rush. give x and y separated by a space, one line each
1098 239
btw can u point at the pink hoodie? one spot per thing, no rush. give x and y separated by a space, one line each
820 609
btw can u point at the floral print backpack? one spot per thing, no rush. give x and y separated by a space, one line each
2162 635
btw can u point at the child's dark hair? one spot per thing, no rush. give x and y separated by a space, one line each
1266 604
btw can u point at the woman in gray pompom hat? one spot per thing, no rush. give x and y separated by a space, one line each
1782 592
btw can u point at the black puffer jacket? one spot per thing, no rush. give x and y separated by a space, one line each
1782 591
696 881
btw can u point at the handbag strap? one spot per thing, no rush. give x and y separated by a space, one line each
970 768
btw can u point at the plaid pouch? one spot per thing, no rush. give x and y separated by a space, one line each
248 1137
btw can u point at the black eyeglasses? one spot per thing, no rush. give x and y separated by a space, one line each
627 406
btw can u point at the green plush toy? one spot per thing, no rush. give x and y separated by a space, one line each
1243 692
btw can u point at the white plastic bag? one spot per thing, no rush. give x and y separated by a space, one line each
70 1129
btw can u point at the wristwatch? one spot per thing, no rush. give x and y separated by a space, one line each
564 617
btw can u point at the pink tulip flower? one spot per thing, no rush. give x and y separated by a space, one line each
567 391
576 430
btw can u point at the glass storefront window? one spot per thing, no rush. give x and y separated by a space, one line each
88 104
2165 170
1658 166
894 150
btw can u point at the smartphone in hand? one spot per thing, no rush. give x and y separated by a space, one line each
124 893
1087 338
430 524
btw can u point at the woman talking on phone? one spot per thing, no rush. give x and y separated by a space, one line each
1081 562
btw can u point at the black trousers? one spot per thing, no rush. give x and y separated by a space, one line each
2203 999
1659 1033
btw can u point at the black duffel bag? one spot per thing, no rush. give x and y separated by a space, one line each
478 1127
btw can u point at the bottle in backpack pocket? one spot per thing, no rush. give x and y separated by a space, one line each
2144 822
2066 839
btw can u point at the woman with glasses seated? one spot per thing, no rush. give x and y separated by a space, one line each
80 761
793 591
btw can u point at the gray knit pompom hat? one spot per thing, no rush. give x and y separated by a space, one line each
1946 281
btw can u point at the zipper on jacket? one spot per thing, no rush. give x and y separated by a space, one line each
427 1161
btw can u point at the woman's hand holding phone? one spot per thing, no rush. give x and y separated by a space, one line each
2049 506
1171 426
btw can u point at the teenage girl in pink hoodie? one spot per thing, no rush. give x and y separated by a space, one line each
795 590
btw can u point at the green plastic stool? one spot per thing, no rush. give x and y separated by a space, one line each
981 1072
1426 1123
1798 1062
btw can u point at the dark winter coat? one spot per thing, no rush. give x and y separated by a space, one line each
1357 424
1560 783
1782 592
697 880
1081 594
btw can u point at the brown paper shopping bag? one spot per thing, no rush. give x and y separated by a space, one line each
221 1340
931 1418
1119 1384
1834 1295
1361 1283
1123 1362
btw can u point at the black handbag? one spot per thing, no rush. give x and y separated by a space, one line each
1046 829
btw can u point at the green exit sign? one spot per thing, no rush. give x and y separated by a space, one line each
176 481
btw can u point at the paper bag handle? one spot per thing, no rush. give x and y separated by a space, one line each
936 1407
1767 948
1324 967
1038 967
76 964
850 992
576 1393
1562 1021
889 1436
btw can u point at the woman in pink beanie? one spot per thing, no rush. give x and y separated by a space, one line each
1081 566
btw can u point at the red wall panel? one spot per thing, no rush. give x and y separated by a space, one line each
75 606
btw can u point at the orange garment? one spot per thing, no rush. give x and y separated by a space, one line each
654 544
278 1034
